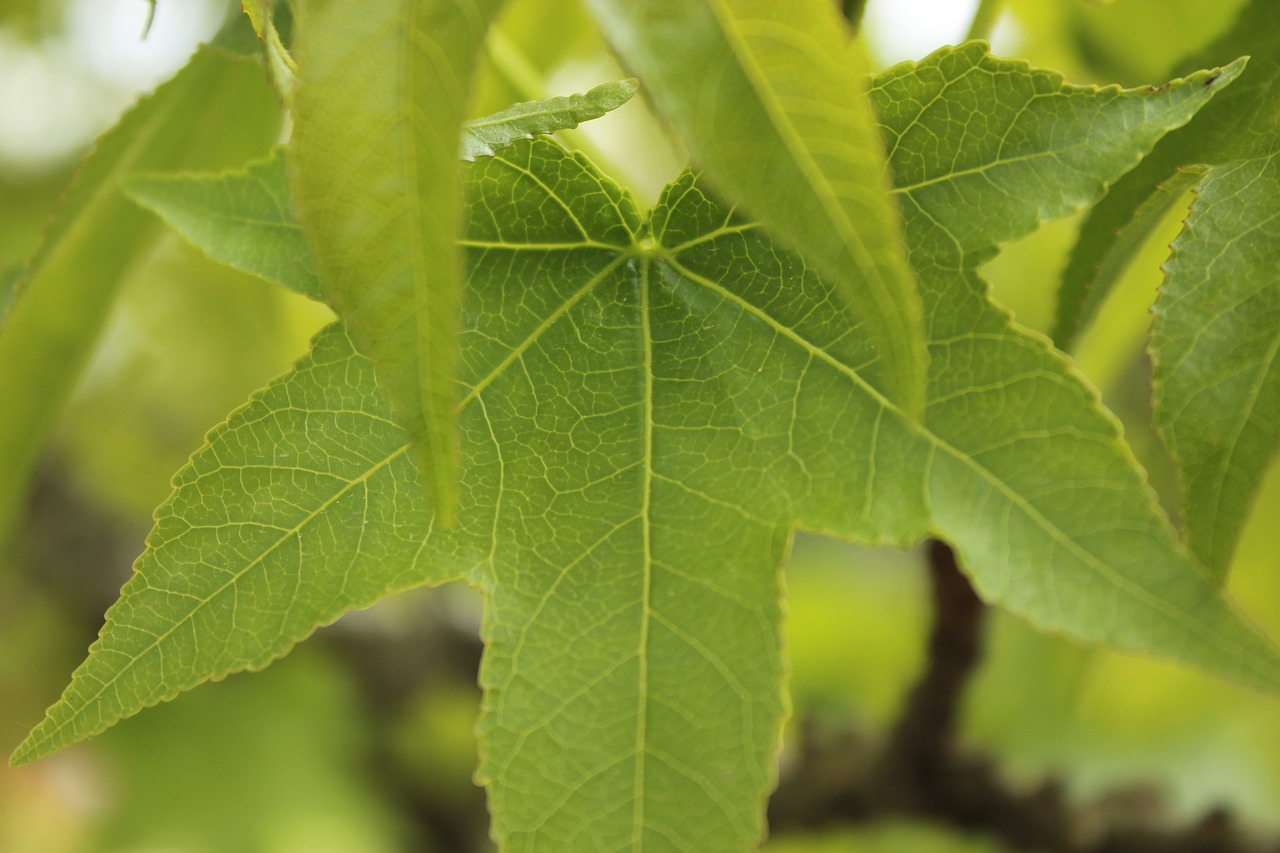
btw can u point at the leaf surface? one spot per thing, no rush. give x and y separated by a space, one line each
483 137
1031 481
382 87
773 104
216 112
1215 318
1214 343
648 409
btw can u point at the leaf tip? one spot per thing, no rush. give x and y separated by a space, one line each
32 748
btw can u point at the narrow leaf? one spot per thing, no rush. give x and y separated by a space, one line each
216 112
382 86
773 104
244 219
483 137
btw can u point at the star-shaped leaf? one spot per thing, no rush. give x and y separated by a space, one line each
648 409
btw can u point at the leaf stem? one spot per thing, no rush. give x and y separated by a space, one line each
984 19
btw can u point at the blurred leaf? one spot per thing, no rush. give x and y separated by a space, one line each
647 416
173 360
892 837
1131 42
772 102
283 753
531 40
216 112
382 87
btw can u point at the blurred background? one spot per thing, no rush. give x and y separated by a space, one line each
361 740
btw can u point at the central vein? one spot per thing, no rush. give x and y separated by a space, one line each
642 651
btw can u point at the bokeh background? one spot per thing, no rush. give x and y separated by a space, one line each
361 740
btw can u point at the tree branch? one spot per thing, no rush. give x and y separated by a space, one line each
919 772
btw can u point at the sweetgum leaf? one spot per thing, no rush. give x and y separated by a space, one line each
648 410
381 90
215 112
1214 344
773 103
1213 339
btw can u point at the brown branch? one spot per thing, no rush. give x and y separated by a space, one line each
921 773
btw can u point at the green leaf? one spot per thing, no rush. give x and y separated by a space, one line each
1214 328
1093 285
483 137
244 219
1030 479
1214 344
382 87
216 112
1241 120
647 411
773 104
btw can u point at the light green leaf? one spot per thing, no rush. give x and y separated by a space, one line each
1214 329
244 219
483 137
382 86
645 418
773 103
216 112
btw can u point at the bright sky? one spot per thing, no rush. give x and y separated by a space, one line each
911 29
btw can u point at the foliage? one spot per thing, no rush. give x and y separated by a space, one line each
612 422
